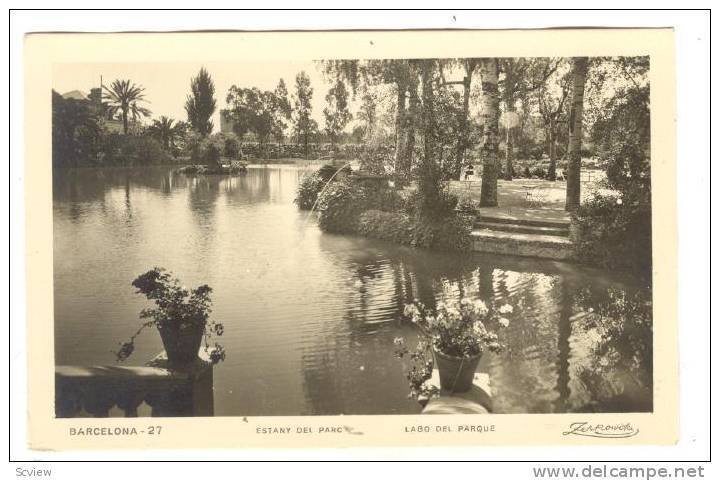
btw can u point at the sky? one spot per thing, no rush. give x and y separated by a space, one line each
168 84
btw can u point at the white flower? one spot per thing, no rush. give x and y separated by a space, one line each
506 309
480 308
478 328
504 322
453 312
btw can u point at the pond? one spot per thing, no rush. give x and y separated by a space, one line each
310 317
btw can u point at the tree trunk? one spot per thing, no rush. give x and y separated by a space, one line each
125 121
429 130
509 154
572 198
552 168
490 114
410 128
462 140
400 127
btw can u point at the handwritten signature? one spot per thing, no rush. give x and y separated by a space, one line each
609 431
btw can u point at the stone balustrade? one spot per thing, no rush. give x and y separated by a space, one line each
168 390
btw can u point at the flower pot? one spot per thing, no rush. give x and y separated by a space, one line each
456 373
181 344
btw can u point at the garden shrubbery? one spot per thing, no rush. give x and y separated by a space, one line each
391 226
311 185
120 149
614 233
354 207
308 190
340 206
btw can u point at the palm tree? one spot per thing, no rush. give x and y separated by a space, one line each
166 130
124 96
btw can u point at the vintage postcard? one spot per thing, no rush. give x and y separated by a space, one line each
351 239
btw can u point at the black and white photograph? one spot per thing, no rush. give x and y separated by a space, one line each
393 236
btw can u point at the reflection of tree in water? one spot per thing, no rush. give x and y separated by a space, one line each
253 187
619 375
354 363
203 192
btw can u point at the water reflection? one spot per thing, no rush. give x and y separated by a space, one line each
310 317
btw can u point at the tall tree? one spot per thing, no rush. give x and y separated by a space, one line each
429 175
463 139
337 115
283 110
552 103
572 197
76 134
368 115
304 124
200 104
124 96
403 76
521 76
258 111
490 135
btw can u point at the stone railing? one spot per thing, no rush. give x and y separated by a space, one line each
169 391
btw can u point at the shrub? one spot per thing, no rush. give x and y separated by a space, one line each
450 234
231 146
308 190
538 172
311 185
120 149
205 150
467 206
339 208
614 234
390 226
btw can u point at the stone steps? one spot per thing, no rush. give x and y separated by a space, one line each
557 230
511 220
522 244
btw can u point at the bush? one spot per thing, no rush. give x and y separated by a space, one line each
390 226
311 185
308 190
450 234
326 172
615 234
538 172
467 206
231 146
120 149
339 207
349 207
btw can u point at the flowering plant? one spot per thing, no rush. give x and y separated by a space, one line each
458 328
420 371
176 306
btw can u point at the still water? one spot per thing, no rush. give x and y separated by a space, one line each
310 317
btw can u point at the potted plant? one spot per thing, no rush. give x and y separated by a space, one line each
458 335
181 316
